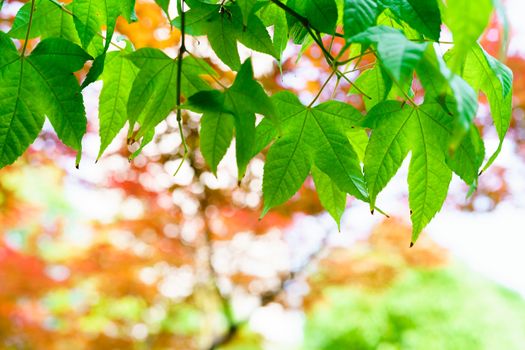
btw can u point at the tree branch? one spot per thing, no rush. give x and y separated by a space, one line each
271 296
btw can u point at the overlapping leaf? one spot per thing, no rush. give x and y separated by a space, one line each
274 16
311 135
422 15
224 26
398 54
164 5
321 14
242 100
330 196
119 74
246 7
79 22
49 20
91 15
375 84
455 95
467 20
359 15
485 73
153 94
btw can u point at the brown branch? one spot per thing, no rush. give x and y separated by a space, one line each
271 296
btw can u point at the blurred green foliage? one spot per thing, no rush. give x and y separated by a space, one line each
441 309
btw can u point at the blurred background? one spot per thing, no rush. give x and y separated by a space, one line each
120 255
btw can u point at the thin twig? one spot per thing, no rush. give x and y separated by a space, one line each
182 50
322 88
432 41
345 47
342 75
310 259
225 302
368 65
342 63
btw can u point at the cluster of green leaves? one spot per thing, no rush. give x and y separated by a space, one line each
345 151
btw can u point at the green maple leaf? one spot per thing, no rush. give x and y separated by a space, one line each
37 86
388 146
311 136
216 133
428 174
468 157
423 130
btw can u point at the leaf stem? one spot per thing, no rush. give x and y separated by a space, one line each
180 56
322 88
29 25
211 75
364 66
342 75
342 63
